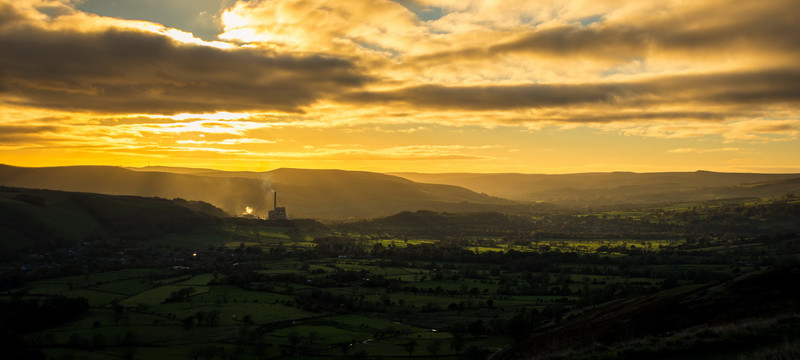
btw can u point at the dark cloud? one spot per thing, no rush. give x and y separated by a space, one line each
493 97
765 87
26 129
712 30
9 14
776 128
759 88
634 116
608 42
120 71
21 133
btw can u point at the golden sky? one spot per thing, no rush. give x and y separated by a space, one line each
405 85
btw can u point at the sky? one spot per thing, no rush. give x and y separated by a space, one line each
406 85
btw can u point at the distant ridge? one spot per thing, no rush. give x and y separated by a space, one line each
321 194
172 169
592 189
340 194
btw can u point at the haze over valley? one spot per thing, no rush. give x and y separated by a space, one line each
339 195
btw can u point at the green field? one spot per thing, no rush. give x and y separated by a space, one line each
241 289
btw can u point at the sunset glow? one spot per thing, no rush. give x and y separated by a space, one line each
404 85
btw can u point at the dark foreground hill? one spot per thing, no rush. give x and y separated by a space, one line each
41 220
598 189
321 194
753 316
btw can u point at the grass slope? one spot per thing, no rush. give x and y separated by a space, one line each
39 220
690 322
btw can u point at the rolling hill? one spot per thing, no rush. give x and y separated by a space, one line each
341 195
321 194
40 220
597 189
429 223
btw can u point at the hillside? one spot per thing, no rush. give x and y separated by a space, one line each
597 189
429 223
744 316
39 220
333 194
340 195
322 194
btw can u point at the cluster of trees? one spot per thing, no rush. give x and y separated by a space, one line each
317 300
180 295
201 318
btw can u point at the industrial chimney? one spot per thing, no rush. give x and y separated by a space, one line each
277 213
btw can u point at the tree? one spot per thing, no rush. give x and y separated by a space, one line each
457 343
200 316
118 311
433 346
212 318
188 322
344 347
247 321
312 336
180 295
294 339
410 346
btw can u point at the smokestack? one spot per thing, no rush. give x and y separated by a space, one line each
275 205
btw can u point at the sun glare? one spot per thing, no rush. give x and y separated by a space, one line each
223 115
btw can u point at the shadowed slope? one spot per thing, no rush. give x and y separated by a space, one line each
41 220
689 322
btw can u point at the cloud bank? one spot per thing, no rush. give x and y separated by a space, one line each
720 71
112 69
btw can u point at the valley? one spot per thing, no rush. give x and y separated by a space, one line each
150 278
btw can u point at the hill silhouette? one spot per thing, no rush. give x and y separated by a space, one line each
342 195
40 220
322 194
593 189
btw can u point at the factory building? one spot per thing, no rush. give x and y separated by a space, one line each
277 213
